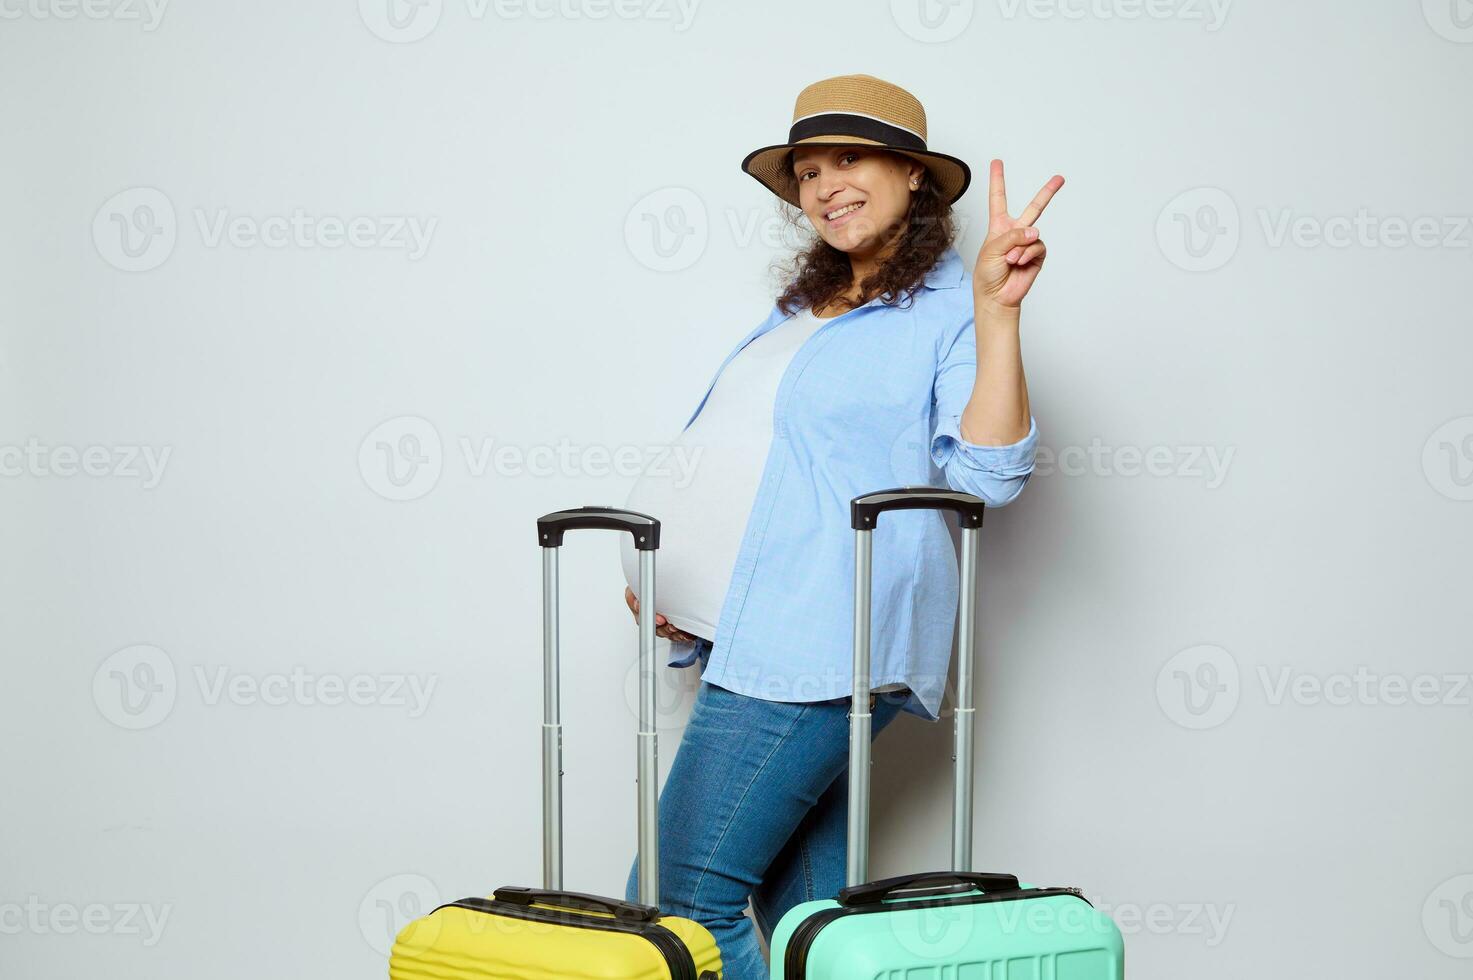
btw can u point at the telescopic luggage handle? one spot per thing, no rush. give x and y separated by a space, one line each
646 532
864 512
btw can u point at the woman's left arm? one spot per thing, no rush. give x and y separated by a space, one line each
997 413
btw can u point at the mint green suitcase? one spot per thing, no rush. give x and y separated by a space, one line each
937 925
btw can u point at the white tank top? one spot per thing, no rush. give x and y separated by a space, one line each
703 505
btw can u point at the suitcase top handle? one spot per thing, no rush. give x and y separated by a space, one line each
519 895
644 528
865 511
877 891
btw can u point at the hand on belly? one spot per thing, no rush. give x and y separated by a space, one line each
662 625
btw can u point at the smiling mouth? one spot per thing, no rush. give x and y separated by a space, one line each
843 212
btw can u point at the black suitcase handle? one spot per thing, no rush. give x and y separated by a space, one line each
876 891
521 895
865 511
644 528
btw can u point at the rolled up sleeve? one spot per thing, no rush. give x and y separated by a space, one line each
997 474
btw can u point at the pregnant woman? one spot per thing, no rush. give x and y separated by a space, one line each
883 363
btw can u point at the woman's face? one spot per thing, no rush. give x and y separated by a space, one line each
836 178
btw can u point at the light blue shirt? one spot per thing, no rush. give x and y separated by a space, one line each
872 400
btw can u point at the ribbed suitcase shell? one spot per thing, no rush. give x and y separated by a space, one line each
458 943
1055 935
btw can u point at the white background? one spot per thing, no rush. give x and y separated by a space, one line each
592 251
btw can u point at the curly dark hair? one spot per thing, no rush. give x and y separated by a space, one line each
819 274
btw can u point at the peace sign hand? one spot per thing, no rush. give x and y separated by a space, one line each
1013 254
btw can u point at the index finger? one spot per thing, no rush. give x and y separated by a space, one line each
997 195
1040 200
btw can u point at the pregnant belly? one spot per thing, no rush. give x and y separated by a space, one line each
702 519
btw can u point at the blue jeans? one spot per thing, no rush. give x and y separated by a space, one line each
756 805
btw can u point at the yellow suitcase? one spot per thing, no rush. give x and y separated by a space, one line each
522 933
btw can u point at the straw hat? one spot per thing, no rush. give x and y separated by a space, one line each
857 109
